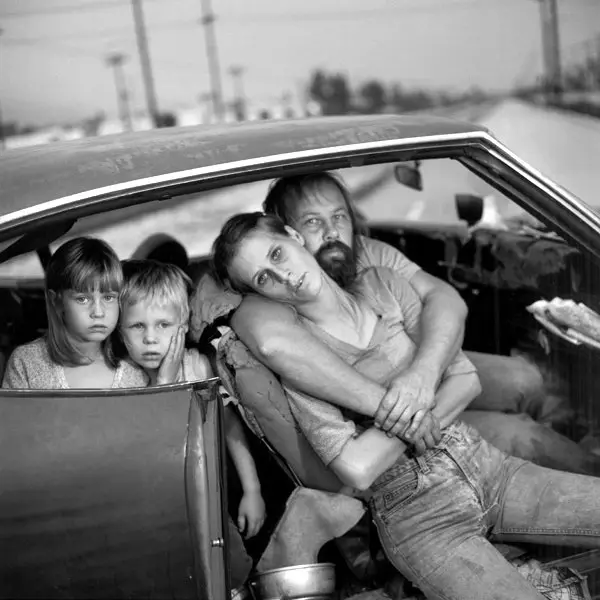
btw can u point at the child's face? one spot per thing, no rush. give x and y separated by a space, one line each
147 329
90 316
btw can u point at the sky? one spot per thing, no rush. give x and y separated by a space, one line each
53 52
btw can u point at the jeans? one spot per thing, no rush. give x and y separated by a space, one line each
513 385
437 514
521 436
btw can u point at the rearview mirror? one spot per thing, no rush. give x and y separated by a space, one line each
469 208
409 174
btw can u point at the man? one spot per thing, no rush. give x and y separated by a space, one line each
319 208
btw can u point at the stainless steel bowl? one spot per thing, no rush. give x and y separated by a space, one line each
302 582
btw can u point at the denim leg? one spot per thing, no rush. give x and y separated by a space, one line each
513 385
473 570
521 436
545 506
431 520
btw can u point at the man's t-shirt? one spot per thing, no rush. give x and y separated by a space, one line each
373 253
390 351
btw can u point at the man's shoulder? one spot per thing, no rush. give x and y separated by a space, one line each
375 253
378 277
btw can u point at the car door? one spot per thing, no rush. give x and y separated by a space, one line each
105 493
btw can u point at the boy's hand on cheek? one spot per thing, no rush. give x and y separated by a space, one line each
171 363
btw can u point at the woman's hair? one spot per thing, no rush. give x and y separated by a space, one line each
156 281
233 233
81 265
286 192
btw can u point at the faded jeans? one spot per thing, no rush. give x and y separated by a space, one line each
510 384
437 514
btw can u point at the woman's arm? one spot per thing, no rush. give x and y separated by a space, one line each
274 335
364 458
454 395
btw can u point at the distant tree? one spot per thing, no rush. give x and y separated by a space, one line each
166 119
332 92
91 125
373 96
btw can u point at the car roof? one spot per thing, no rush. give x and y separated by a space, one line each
35 175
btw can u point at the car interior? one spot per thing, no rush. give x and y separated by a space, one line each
452 224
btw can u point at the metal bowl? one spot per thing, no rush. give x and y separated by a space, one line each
302 582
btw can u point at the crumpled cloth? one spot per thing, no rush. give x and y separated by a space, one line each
310 520
209 302
555 583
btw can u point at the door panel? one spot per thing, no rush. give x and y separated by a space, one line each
93 498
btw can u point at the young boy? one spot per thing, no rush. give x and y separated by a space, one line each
153 323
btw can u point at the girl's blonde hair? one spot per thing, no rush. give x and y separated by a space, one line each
82 265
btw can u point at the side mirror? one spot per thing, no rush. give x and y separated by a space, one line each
409 174
469 208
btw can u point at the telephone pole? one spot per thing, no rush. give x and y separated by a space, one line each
551 48
142 42
208 22
239 99
115 61
2 141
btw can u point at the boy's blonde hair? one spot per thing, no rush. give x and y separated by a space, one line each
154 281
81 265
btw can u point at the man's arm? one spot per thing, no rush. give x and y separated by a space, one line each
274 335
440 335
412 392
442 324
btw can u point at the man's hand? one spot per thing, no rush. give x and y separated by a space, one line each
428 435
171 363
406 403
251 514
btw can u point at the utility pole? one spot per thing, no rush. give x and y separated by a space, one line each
208 21
239 99
551 48
142 42
2 142
115 61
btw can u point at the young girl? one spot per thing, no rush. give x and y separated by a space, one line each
83 281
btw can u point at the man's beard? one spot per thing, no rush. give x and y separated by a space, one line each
339 262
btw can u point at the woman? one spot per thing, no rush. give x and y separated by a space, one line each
437 512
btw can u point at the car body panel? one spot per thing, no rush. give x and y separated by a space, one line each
105 494
30 176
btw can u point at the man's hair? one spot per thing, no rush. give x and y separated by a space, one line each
287 192
154 281
82 265
233 233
